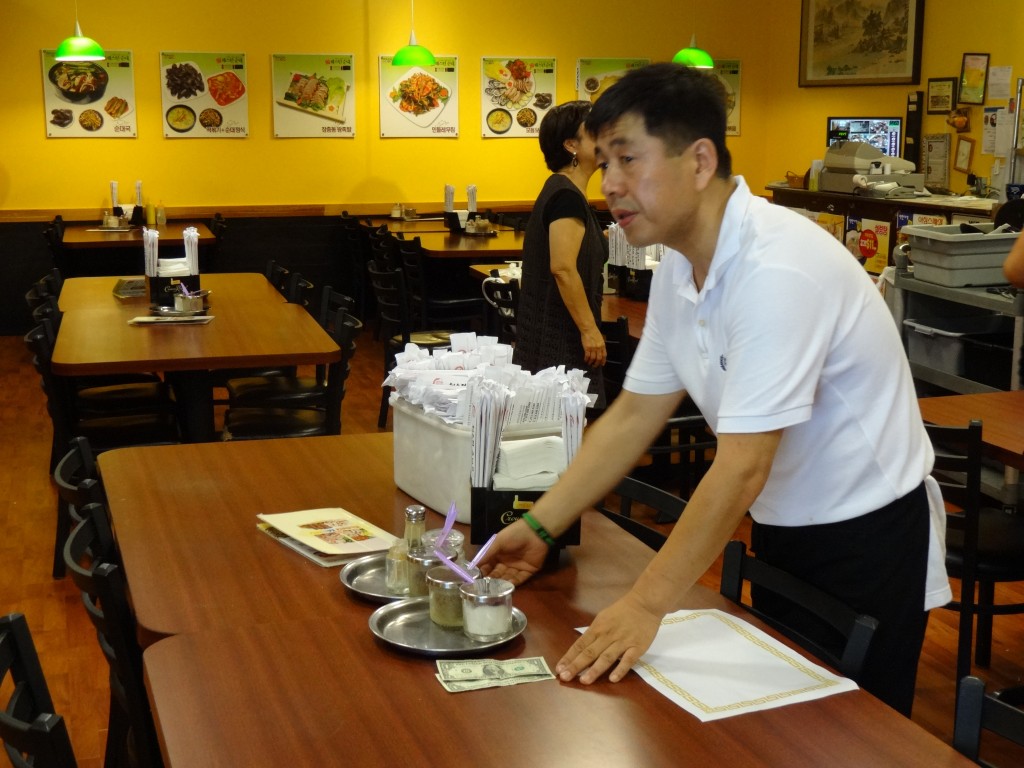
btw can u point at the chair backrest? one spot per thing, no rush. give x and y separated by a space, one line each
504 297
388 286
854 629
957 470
89 556
77 479
977 711
29 728
58 389
619 349
298 289
345 329
383 247
410 254
630 490
278 276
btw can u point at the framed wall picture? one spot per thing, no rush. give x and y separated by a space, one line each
964 154
860 44
973 77
941 95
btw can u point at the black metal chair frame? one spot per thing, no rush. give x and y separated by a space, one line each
977 711
29 727
857 629
630 491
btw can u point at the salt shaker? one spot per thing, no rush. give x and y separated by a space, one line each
415 525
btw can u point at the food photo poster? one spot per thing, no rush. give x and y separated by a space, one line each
89 99
203 95
516 93
313 95
595 76
419 102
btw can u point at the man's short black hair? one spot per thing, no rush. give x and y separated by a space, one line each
677 104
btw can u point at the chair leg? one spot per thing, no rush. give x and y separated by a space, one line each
116 754
983 641
382 419
63 529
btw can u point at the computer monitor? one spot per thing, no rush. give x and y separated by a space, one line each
884 133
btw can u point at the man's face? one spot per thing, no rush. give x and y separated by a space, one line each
651 194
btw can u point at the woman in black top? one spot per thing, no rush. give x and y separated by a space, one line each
564 251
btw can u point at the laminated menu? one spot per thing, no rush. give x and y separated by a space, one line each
328 536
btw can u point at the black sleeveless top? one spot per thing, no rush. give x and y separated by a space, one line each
545 332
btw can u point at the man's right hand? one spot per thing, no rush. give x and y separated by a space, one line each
516 554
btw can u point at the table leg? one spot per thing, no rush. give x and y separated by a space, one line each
193 391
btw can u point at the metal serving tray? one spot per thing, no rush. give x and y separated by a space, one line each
406 624
365 577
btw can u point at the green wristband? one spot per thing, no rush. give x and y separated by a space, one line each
539 529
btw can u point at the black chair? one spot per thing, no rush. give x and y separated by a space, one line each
630 491
619 348
113 429
78 484
393 320
34 736
54 234
432 306
504 298
278 276
315 408
984 546
292 391
298 290
976 711
853 631
88 555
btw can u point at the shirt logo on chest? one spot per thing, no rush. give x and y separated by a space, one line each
721 362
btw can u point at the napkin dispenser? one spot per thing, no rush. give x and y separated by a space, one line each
163 289
493 510
456 220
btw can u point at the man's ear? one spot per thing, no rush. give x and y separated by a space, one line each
706 157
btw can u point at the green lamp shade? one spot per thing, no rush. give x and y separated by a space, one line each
79 48
413 55
697 58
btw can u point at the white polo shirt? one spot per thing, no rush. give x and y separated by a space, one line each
790 332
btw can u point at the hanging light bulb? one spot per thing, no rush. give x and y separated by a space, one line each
78 47
695 57
413 54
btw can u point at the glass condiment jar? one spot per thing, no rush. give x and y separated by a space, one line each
415 525
422 560
486 609
445 598
455 542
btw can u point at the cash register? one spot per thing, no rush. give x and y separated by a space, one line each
859 167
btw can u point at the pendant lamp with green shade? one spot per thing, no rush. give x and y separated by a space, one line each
413 55
695 57
78 47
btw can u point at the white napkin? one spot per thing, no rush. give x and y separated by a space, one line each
172 268
715 665
540 481
524 458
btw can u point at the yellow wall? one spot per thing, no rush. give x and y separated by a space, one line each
782 126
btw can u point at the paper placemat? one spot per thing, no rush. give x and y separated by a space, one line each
715 665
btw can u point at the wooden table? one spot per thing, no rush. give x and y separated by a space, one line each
612 305
252 327
507 244
1002 416
272 663
78 236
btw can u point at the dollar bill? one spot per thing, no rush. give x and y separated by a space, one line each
459 686
493 669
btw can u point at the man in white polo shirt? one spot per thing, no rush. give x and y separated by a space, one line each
787 348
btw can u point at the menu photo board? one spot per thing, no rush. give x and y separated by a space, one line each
595 76
314 95
419 102
727 71
204 95
517 93
89 99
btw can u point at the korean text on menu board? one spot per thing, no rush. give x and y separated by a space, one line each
89 99
204 95
314 95
728 73
517 93
419 102
595 76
